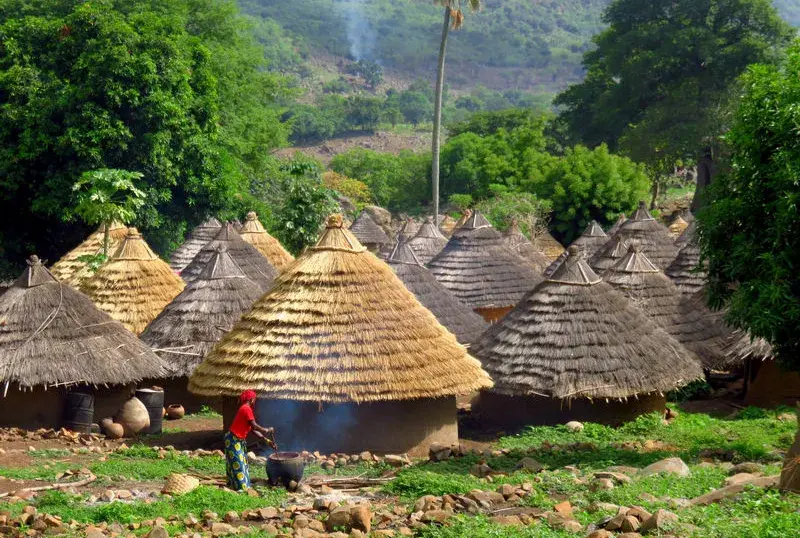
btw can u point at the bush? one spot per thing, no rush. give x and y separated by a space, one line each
531 213
339 85
356 191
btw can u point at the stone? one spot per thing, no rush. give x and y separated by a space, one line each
339 518
741 478
563 508
530 465
747 467
574 426
600 533
615 523
394 460
630 524
619 478
158 532
731 491
439 452
270 512
436 516
598 506
639 513
561 521
648 497
508 521
629 535
355 533
230 517
486 498
481 470
601 484
361 517
94 533
300 522
107 496
123 494
221 529
659 520
427 502
51 521
506 490
673 466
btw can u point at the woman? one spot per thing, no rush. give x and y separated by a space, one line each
236 441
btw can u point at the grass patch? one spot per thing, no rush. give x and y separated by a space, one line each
206 412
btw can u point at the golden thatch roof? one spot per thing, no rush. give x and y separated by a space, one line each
515 240
135 285
446 224
547 244
70 270
51 334
198 238
428 242
196 319
338 326
654 238
254 233
574 336
678 226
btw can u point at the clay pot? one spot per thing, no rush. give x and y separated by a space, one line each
175 411
114 430
133 416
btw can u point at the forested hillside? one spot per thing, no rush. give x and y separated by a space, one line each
530 44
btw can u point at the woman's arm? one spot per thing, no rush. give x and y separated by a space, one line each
259 429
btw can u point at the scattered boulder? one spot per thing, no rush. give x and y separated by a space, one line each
747 467
361 518
339 518
158 532
507 521
529 465
674 466
659 520
221 529
618 478
439 452
436 516
741 478
731 491
395 460
600 484
600 533
481 470
574 426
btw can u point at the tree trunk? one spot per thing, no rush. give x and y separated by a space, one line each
790 476
437 115
705 173
106 235
656 191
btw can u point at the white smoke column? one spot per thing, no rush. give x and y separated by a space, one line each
360 34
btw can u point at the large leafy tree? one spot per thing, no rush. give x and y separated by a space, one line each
659 82
176 90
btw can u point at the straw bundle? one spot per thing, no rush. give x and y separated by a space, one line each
195 320
515 240
654 238
614 250
480 270
368 233
339 326
691 323
428 242
253 232
459 319
446 224
465 215
574 336
247 257
70 270
134 286
591 240
408 230
198 238
614 227
548 245
51 334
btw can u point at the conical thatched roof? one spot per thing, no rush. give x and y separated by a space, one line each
446 224
651 291
190 325
654 238
515 240
253 232
591 240
685 270
480 270
198 238
614 250
369 233
246 256
51 334
339 326
678 226
688 235
408 230
135 285
428 242
458 318
547 244
614 227
574 336
70 270
465 215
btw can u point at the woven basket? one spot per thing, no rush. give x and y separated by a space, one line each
178 484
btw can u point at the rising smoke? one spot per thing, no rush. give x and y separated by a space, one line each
360 34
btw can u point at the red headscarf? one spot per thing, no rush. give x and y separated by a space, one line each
246 396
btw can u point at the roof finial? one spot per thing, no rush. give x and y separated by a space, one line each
222 247
34 260
133 233
251 215
642 204
335 221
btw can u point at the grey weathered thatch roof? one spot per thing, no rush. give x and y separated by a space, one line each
195 320
368 232
252 263
654 238
614 250
591 240
691 323
574 336
685 270
409 229
617 223
457 317
51 334
514 239
198 238
428 241
479 269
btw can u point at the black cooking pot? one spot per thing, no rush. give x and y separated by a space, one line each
285 467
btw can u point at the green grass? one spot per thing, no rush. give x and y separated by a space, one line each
206 412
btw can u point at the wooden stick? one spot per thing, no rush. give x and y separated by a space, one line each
91 478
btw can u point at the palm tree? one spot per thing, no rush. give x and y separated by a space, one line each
453 18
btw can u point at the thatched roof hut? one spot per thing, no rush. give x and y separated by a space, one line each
481 271
198 238
591 240
253 232
339 328
685 271
73 271
654 238
678 226
547 244
617 223
135 285
458 318
575 337
428 242
51 334
195 320
465 215
446 224
613 251
369 233
651 291
515 240
689 235
408 230
254 264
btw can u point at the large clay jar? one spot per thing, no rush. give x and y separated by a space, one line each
175 411
133 416
114 431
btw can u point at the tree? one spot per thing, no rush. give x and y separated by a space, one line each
364 112
750 229
659 82
415 106
178 90
105 196
453 17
